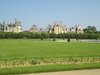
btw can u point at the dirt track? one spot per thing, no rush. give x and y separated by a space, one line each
77 72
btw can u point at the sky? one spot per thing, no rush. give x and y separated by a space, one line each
44 12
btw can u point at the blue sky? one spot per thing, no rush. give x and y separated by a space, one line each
44 12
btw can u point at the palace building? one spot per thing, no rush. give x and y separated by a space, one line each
34 29
11 27
58 27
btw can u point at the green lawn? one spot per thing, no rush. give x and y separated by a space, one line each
21 49
16 50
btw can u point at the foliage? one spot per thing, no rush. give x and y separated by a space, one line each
68 40
44 35
90 29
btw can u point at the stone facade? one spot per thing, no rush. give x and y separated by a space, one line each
58 27
1 27
34 29
11 27
79 29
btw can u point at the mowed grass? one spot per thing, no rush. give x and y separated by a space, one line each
29 49
36 49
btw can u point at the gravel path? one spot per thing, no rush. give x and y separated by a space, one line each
77 72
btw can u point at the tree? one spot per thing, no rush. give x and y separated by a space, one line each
53 35
91 29
68 39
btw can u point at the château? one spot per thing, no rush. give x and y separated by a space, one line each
11 27
57 27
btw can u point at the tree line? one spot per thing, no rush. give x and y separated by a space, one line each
45 35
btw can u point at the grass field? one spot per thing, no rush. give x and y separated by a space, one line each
11 50
21 49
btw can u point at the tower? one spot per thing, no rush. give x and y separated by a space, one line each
5 26
18 26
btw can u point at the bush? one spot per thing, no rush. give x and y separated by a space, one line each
34 62
68 40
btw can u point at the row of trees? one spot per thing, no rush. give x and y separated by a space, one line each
90 29
43 35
